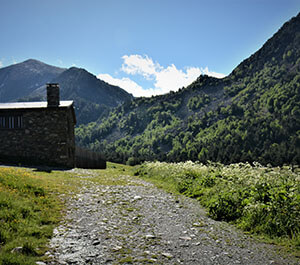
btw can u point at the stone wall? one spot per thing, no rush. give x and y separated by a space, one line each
46 137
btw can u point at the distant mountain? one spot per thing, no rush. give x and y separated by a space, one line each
93 98
19 80
251 115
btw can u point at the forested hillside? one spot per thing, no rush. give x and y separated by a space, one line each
251 115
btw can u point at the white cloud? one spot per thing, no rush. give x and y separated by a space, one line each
165 79
127 84
137 64
1 64
171 78
210 73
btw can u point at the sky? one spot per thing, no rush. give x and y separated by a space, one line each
147 47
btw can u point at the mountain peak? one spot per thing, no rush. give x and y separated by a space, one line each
38 64
32 61
75 69
19 80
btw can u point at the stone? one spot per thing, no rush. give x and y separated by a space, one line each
96 242
17 250
167 255
185 238
150 236
116 248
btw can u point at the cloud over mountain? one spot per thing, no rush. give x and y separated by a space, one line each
164 79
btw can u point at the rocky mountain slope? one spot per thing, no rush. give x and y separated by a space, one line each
251 115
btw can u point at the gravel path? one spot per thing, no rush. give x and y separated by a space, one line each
137 223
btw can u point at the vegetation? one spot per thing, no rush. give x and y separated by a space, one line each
251 115
31 206
29 210
261 200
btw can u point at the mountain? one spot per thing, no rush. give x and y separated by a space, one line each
21 79
251 115
93 98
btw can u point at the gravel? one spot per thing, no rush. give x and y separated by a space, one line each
137 223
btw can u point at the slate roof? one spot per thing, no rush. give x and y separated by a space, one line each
33 105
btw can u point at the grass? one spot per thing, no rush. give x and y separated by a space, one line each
263 201
30 208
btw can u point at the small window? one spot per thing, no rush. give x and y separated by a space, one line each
11 122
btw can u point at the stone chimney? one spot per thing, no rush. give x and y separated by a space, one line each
53 95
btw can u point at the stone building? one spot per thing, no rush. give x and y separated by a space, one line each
39 133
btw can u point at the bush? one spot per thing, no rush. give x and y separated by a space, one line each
132 161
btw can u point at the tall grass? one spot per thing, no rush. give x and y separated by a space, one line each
261 200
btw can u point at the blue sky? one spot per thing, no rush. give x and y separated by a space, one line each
145 46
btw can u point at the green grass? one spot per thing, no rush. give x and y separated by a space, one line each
263 201
31 206
29 210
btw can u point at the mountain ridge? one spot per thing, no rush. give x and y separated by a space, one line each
253 114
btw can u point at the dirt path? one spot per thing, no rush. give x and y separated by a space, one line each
136 223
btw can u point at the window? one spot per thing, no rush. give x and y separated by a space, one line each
11 122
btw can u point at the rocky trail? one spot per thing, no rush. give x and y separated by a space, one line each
131 221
